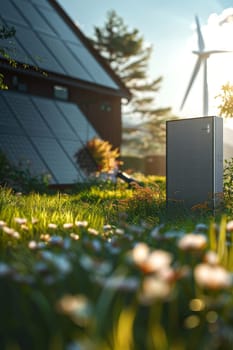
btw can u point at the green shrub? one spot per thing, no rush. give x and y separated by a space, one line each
228 181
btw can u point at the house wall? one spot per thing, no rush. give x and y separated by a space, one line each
103 110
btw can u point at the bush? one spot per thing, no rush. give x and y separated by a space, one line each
98 156
228 181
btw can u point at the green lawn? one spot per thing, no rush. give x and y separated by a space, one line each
108 267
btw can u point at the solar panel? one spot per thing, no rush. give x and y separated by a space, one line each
38 52
10 13
15 50
26 114
53 154
71 147
59 26
92 66
54 118
43 134
43 39
78 121
43 3
66 58
19 151
34 17
8 123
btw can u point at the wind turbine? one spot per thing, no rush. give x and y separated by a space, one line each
202 57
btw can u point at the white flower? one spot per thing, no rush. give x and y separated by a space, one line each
154 289
2 223
192 241
68 225
119 231
211 258
32 245
74 236
230 226
52 226
157 261
20 221
149 262
212 277
8 230
140 253
81 223
93 231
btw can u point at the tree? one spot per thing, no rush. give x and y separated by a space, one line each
226 95
128 55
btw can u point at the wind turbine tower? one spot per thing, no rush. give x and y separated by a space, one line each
202 57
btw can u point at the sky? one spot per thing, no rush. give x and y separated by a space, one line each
169 26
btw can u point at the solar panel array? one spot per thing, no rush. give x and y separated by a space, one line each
44 40
43 135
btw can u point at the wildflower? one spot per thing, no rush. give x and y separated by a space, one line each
212 277
107 227
81 223
77 307
45 237
34 221
68 225
192 241
24 227
93 231
211 258
154 288
52 226
148 262
74 236
140 253
157 261
16 235
20 221
119 231
8 230
32 245
230 226
2 223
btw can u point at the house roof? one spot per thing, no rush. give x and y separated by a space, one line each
48 40
48 145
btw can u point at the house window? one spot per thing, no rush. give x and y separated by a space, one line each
61 92
106 107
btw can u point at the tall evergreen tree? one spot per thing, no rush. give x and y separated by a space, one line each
129 56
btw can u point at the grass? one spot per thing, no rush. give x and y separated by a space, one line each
109 268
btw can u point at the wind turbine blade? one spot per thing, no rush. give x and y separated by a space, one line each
195 71
201 43
205 90
210 52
